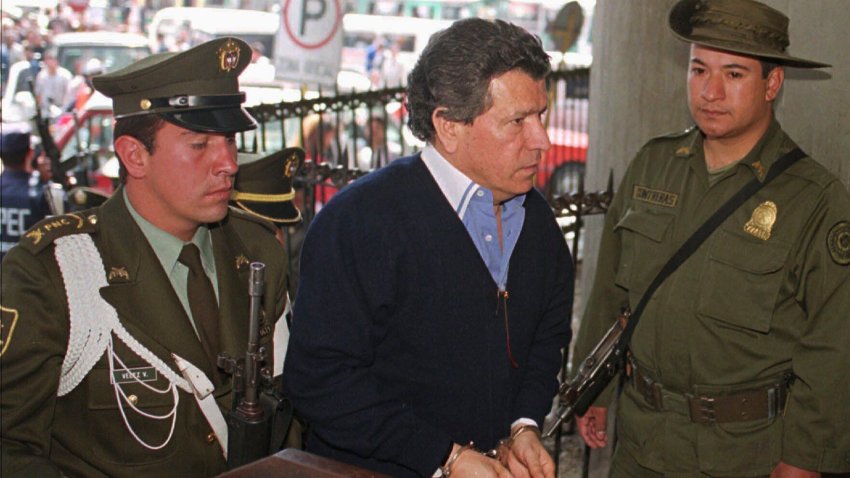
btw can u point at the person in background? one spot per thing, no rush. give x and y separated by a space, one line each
435 293
22 200
739 361
113 318
51 83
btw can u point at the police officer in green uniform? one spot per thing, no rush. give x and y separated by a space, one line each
739 364
112 317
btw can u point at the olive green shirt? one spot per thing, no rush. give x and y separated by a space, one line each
767 292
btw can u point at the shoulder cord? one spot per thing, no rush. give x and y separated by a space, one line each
92 322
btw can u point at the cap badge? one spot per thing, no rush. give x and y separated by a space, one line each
761 222
838 243
759 169
289 167
228 56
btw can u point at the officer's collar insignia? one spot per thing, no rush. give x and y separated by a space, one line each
655 196
118 274
761 222
241 262
838 243
228 56
759 169
683 151
8 320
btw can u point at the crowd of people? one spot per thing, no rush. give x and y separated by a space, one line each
435 294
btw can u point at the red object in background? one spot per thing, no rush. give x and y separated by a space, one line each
78 6
568 146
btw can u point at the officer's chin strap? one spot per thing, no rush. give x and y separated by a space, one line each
92 323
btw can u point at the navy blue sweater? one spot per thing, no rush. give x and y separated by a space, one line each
398 347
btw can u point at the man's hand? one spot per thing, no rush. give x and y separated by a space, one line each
526 457
784 470
593 425
474 464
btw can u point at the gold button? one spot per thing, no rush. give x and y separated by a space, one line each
145 104
211 438
133 399
92 220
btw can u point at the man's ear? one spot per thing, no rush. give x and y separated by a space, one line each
774 83
446 131
133 155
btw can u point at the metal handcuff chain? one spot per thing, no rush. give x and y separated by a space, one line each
92 323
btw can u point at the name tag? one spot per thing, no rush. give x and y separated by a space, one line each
655 196
141 374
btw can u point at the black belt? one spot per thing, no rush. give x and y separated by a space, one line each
767 401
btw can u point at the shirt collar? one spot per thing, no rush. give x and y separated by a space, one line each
166 246
456 186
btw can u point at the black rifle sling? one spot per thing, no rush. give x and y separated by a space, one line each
700 235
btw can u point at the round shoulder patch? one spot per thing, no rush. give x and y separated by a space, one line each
838 243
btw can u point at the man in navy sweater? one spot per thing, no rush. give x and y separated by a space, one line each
435 293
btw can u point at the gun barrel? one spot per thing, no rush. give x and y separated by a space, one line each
256 285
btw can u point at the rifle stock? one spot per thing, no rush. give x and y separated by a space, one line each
594 374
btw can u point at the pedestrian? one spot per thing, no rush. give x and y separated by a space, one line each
114 317
51 83
435 292
739 360
22 202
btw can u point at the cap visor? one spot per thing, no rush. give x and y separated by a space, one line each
214 120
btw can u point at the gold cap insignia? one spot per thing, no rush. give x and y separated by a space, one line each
228 56
241 261
289 167
761 222
118 274
8 320
838 243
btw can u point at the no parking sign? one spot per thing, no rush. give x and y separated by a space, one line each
309 42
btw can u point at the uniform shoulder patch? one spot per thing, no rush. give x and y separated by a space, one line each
8 320
838 243
48 230
242 215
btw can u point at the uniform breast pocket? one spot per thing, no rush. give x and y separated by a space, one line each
113 442
742 280
644 247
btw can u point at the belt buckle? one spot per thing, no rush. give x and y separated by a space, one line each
651 391
702 409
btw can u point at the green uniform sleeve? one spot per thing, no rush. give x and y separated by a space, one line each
35 335
817 417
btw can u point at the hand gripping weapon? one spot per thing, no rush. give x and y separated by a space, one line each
259 419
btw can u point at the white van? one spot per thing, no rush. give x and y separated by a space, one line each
408 34
203 24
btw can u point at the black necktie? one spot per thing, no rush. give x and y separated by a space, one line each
202 303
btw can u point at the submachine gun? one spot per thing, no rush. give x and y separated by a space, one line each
594 374
260 417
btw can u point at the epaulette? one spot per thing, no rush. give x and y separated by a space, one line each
49 229
237 213
684 149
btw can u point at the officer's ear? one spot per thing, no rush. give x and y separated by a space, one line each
133 155
774 83
446 131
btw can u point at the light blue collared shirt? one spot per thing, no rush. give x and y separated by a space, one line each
474 206
167 249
